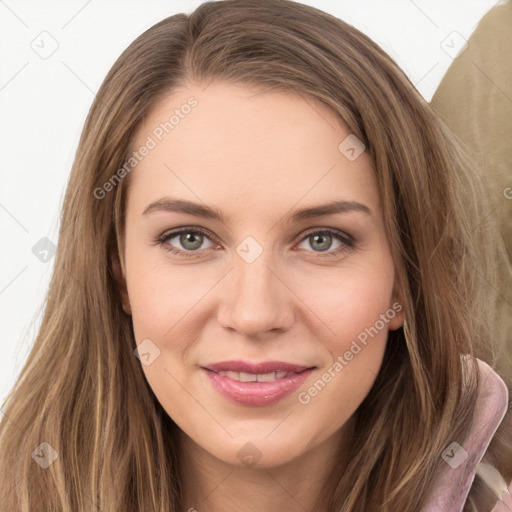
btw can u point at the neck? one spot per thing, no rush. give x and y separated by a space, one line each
301 484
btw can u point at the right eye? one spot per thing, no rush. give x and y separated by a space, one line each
190 238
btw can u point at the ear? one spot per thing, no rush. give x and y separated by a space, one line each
121 282
397 305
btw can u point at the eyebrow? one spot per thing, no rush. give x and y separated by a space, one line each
198 210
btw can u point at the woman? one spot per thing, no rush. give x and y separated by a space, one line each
255 368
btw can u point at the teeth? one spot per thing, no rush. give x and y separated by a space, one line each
247 377
251 377
267 377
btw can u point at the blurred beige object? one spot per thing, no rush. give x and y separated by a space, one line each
475 100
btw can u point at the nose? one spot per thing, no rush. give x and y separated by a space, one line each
256 299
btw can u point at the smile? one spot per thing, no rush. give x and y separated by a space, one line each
256 389
261 377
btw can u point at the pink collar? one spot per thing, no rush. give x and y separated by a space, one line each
452 487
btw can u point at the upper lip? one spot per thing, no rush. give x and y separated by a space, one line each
256 368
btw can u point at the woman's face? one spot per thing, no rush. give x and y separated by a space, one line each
291 267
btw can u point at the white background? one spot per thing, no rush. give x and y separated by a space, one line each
44 102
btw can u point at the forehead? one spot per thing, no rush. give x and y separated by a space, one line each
229 143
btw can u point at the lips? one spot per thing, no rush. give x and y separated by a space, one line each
256 384
256 368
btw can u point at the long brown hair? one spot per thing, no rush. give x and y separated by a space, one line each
83 392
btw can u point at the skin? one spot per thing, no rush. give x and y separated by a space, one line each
256 157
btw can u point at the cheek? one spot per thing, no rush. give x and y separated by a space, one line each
357 314
346 304
162 296
349 300
343 301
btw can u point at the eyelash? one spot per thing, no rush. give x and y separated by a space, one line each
347 241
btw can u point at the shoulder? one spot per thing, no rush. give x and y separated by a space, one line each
451 489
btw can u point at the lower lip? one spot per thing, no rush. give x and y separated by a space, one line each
257 393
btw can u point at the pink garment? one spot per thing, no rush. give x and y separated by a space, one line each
505 505
451 490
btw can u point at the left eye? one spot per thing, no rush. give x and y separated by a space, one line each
192 239
323 241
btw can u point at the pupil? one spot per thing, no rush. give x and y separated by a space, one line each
190 238
325 245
